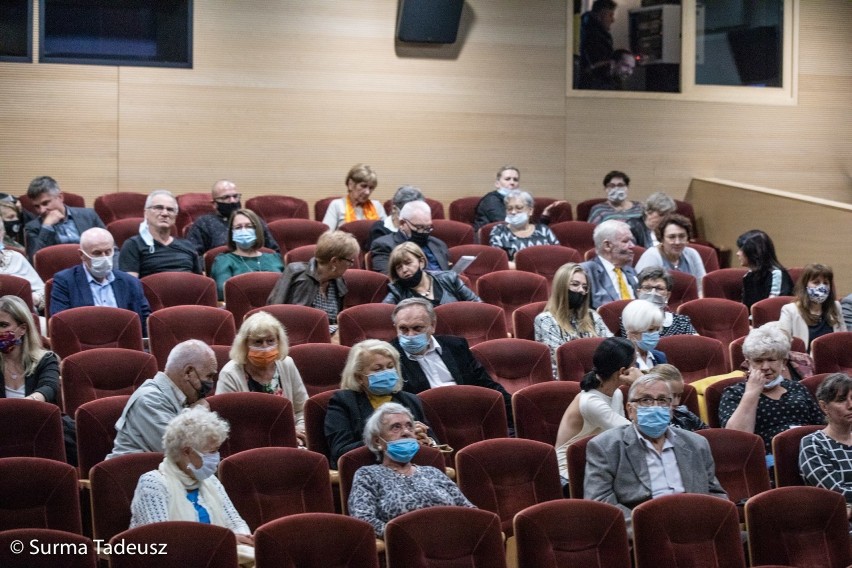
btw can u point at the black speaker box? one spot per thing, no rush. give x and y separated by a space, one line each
429 21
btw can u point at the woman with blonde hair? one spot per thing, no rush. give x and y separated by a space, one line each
28 370
410 279
815 312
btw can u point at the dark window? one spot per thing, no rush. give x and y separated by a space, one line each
16 30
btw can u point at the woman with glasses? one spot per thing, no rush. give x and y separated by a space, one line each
360 182
519 233
410 279
673 233
245 239
567 314
655 286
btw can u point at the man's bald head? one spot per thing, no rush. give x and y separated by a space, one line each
95 239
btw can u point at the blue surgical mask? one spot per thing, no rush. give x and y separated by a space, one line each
209 463
382 382
402 450
503 191
413 344
517 219
653 420
245 238
649 340
773 383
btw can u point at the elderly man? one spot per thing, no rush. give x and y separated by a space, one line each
630 464
429 360
611 275
154 249
56 223
211 231
94 282
415 225
190 371
390 224
491 207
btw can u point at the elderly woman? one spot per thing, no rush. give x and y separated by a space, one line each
360 182
260 363
28 370
396 486
14 263
617 206
245 239
519 233
674 232
766 277
655 286
370 378
682 417
319 283
184 487
815 312
644 230
567 314
642 323
767 403
390 224
825 457
600 404
410 279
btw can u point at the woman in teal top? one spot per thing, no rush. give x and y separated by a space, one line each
245 239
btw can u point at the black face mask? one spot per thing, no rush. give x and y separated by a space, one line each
206 388
411 281
12 227
575 299
419 239
225 209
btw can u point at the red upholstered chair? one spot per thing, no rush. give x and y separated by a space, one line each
475 321
545 260
367 321
813 382
488 259
169 326
78 329
167 289
798 526
695 356
718 318
713 396
95 423
321 206
463 414
575 234
293 233
445 536
684 290
687 529
320 365
17 286
463 209
84 553
257 420
123 229
303 324
523 320
785 449
245 292
735 352
268 483
71 199
29 428
315 410
364 287
39 493
483 235
119 205
113 483
575 456
585 207
191 206
611 314
188 544
210 257
300 254
724 283
709 256
50 260
559 213
316 539
511 289
453 233
359 229
769 309
574 358
571 532
515 363
795 273
538 409
102 372
832 353
507 475
274 207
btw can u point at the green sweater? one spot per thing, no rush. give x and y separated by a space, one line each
229 264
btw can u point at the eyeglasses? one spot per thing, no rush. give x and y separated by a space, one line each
648 401
420 228
516 208
658 289
351 261
615 185
163 209
226 198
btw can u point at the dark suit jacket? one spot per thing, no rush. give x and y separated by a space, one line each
71 290
381 248
38 237
463 366
602 289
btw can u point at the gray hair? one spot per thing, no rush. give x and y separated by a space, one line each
524 196
640 315
766 340
406 194
157 192
608 231
43 184
656 273
189 353
661 203
422 302
415 207
373 427
195 427
646 381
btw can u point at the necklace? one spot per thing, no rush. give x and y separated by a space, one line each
247 265
428 292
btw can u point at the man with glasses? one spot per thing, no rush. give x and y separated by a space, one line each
154 249
211 231
611 274
56 223
415 225
628 465
616 185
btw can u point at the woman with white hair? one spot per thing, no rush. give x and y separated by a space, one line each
184 487
519 233
396 486
642 322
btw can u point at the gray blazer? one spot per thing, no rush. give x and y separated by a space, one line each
39 237
602 289
617 473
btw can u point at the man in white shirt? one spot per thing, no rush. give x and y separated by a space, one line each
611 274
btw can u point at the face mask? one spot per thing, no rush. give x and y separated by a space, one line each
8 341
503 191
818 294
402 450
263 356
773 383
616 194
657 299
649 340
383 382
225 209
12 227
419 239
100 265
245 238
413 344
575 299
209 463
206 388
653 420
411 281
2 245
517 219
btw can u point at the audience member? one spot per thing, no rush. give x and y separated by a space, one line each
56 223
596 43
213 230
846 304
492 207
410 279
815 312
682 417
188 378
642 322
14 217
415 225
617 206
29 371
673 233
360 182
14 263
518 232
611 272
655 286
766 277
613 77
390 224
644 229
154 249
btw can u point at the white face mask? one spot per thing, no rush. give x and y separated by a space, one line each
517 219
100 266
616 194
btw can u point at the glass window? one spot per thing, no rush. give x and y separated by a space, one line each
16 30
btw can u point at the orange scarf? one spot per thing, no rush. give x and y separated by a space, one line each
368 208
